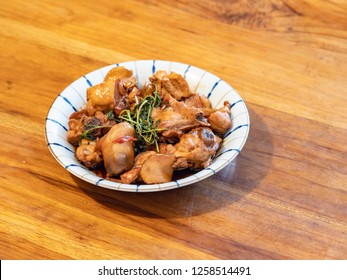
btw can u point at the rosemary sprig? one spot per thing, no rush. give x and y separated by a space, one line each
140 118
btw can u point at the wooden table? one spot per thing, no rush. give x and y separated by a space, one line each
283 197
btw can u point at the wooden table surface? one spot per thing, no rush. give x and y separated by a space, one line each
283 197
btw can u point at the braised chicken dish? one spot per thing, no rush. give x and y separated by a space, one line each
143 135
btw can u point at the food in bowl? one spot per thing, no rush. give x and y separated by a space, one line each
132 134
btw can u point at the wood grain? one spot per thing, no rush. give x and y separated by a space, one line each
283 197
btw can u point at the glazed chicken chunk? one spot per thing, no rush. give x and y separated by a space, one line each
173 84
220 120
133 174
196 148
176 119
116 92
100 97
151 168
80 122
116 73
118 155
88 153
201 102
157 169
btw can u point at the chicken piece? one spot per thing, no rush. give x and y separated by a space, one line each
133 95
194 101
196 148
157 169
80 122
147 89
100 97
166 148
118 157
120 101
97 125
132 175
76 127
113 92
182 163
173 84
151 176
201 102
206 103
128 87
220 120
116 73
177 118
88 154
77 123
126 93
78 114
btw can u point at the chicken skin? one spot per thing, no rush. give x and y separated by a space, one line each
220 120
196 148
118 156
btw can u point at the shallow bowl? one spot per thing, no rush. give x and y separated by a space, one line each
73 98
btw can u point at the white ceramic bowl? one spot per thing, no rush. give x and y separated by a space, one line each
73 98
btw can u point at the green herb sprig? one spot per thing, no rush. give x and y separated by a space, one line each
140 118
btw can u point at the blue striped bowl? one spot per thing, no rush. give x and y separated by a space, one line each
73 98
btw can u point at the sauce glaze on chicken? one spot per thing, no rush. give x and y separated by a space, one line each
186 131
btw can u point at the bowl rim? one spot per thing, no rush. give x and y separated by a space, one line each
90 177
